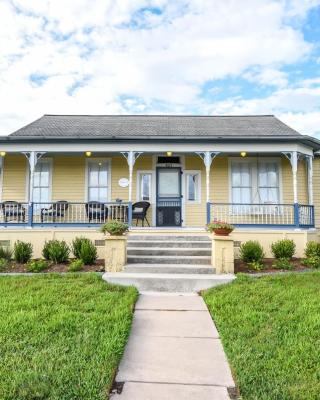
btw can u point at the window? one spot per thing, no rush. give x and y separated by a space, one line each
42 182
254 181
145 185
268 182
193 181
98 180
241 183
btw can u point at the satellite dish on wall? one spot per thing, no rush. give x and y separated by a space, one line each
123 182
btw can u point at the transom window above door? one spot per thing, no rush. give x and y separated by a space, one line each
255 181
98 180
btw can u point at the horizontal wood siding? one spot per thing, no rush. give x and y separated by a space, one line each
68 178
14 178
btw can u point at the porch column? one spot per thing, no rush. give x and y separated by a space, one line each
33 157
293 157
131 157
309 160
207 157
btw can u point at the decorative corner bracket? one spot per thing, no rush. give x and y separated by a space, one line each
131 156
207 157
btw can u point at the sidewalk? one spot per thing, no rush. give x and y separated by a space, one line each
173 353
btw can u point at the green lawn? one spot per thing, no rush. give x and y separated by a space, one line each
270 328
61 337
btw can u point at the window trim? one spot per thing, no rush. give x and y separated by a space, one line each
152 187
86 186
199 185
50 162
254 161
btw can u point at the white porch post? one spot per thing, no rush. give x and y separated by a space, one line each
131 157
207 157
293 157
309 160
1 176
32 157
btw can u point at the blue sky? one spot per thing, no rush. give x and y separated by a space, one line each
144 56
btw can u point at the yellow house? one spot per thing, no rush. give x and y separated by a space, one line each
65 173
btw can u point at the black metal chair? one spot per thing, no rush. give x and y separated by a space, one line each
57 209
96 211
139 211
13 210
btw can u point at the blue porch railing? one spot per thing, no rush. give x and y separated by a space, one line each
64 213
264 215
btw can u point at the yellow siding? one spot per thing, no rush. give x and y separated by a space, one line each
119 169
14 178
68 178
219 180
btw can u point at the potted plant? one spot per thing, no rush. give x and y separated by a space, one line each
115 228
220 228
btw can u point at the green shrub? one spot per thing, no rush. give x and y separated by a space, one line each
6 253
284 248
115 228
3 264
283 263
37 265
256 265
76 245
251 251
75 265
312 249
22 252
312 261
56 251
88 252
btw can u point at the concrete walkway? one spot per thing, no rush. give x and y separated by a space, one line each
173 353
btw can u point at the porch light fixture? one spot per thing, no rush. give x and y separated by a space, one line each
2 153
88 153
243 153
169 153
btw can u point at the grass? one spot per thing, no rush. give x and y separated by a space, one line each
270 328
61 337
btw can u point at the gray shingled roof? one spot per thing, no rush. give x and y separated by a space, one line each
148 126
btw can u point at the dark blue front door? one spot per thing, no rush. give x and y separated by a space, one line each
168 196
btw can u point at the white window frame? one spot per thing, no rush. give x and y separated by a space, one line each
152 187
198 186
98 159
50 162
254 162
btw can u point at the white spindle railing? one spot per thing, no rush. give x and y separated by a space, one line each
254 214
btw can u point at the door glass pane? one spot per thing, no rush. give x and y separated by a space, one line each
169 182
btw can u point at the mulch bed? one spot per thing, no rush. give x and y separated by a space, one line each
240 266
97 267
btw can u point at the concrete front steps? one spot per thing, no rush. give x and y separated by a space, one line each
168 263
154 282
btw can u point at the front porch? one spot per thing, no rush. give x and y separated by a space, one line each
182 189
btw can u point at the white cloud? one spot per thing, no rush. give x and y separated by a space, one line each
106 50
